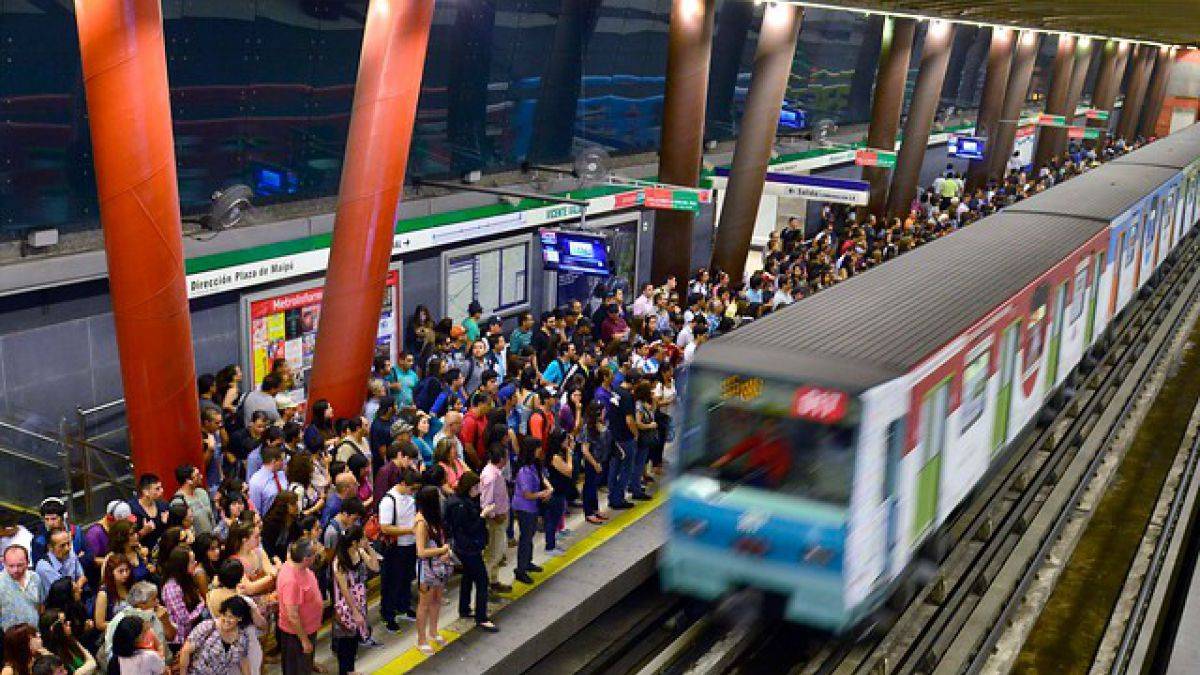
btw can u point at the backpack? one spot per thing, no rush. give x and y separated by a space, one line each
519 417
427 392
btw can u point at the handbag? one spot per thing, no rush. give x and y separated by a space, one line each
341 604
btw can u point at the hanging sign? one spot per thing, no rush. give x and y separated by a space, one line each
1094 114
1083 132
1048 120
675 200
874 157
819 188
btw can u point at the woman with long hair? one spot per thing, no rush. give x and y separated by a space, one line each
420 437
171 538
418 329
446 456
207 549
111 598
465 519
434 566
221 645
21 646
278 524
299 474
58 638
528 493
665 395
232 503
645 416
135 648
66 597
180 592
229 395
245 545
123 539
595 445
320 434
559 472
353 561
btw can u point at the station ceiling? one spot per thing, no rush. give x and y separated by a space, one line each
1168 21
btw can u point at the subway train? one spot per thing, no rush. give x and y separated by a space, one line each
823 448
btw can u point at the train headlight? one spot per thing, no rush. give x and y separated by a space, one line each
692 527
818 555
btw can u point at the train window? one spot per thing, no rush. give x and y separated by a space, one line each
1131 242
1033 352
759 442
974 394
1077 298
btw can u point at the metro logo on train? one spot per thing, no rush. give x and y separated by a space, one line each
824 406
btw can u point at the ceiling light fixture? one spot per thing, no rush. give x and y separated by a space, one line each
969 22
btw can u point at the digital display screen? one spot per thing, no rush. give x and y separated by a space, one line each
965 147
580 252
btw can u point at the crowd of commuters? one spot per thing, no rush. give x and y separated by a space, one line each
470 445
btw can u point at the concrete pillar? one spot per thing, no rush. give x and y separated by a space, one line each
772 67
129 108
1049 138
1015 95
385 105
999 60
689 50
733 25
1108 80
1157 92
890 79
1135 92
935 55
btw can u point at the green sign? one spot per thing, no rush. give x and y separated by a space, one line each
1101 115
1047 120
674 200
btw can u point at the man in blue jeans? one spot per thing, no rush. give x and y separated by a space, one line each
624 433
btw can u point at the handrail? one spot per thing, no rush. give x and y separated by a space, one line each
26 458
26 432
100 408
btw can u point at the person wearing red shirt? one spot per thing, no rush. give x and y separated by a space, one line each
300 606
473 426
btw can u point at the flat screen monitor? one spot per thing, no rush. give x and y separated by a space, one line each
966 147
580 252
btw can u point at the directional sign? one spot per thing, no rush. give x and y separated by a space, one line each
1094 114
875 157
1047 120
672 200
1083 132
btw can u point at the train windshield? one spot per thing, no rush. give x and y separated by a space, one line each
748 431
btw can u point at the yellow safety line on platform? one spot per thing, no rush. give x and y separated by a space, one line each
413 657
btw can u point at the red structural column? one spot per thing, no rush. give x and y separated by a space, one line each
129 111
935 56
999 61
1157 92
1108 80
1049 138
381 125
1014 99
689 51
772 67
890 79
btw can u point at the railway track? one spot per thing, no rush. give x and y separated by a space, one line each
997 543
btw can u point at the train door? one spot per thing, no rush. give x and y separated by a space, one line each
1090 330
1060 315
1008 366
934 410
891 473
1133 243
1118 263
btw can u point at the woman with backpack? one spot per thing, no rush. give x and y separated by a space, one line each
595 446
468 537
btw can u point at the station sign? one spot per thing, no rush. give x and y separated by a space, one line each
875 157
673 199
1094 114
1083 132
819 188
1048 120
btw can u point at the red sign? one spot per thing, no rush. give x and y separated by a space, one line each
627 199
824 406
1075 132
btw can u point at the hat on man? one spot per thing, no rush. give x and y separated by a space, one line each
400 427
119 510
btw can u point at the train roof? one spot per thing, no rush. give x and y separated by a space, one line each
880 325
1100 195
1177 151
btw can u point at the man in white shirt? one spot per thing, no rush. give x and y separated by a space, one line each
13 533
397 514
644 304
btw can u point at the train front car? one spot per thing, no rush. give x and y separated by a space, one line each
762 495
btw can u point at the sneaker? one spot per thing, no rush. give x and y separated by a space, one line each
468 615
556 551
523 577
620 507
565 532
534 568
595 520
487 626
512 543
369 642
392 626
499 587
408 615
642 498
